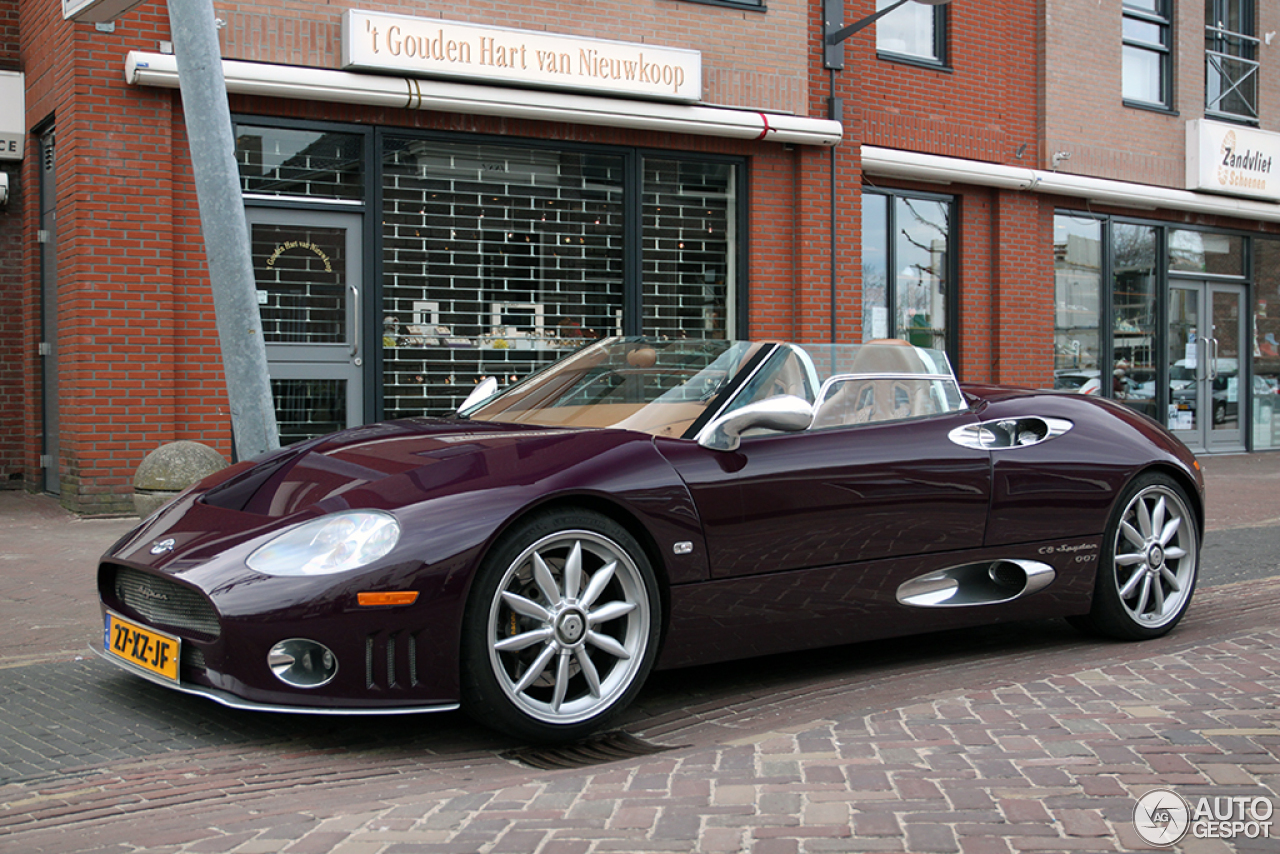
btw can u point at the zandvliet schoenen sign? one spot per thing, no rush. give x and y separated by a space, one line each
1231 159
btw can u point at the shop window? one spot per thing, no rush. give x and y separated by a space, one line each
499 259
275 162
1231 60
496 260
914 31
1206 253
1266 345
906 268
1134 315
1078 289
1147 72
690 248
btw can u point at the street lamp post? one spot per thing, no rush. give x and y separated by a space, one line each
834 35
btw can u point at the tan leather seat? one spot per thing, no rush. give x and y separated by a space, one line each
868 395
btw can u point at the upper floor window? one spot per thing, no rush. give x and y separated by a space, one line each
1148 57
1231 60
915 31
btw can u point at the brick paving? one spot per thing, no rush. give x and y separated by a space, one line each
1021 738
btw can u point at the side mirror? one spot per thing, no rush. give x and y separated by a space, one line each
785 412
483 391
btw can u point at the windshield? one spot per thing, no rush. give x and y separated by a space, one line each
671 388
658 387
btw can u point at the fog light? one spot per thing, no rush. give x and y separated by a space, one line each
302 663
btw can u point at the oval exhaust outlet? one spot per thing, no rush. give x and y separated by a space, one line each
984 583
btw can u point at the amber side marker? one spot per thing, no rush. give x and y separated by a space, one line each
393 597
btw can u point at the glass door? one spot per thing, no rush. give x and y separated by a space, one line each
1206 391
307 267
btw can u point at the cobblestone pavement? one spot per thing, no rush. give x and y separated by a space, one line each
1026 737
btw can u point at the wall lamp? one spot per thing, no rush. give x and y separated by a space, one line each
835 33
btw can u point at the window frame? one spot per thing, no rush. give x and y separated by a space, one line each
951 265
740 5
1218 44
1163 19
939 58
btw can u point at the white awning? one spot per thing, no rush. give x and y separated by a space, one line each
346 87
934 169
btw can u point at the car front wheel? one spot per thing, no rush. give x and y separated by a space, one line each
1148 570
561 628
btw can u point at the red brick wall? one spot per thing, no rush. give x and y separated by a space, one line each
984 107
750 57
11 284
114 259
12 338
138 350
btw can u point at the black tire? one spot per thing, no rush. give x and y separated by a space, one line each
547 663
1149 564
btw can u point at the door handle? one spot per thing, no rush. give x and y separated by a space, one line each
1213 359
355 323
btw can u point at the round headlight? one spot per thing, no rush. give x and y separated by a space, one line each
331 544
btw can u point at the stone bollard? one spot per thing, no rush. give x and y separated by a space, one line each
168 470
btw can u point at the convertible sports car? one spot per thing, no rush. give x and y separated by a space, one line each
649 503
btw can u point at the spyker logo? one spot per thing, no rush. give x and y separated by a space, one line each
154 595
159 547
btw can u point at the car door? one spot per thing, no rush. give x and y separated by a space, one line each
844 495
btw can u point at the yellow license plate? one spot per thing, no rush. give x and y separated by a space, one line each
153 651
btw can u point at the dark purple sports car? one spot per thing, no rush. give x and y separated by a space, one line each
650 503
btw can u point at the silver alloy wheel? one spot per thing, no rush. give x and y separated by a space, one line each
568 627
1155 557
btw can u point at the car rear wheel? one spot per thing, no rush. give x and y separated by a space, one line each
561 627
1148 570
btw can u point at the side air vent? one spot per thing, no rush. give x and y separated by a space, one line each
165 604
987 583
391 660
1009 432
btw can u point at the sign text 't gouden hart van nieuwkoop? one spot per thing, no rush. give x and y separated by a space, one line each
435 48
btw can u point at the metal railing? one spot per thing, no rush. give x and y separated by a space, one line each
1231 74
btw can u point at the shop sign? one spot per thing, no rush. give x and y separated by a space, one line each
430 47
13 115
1231 159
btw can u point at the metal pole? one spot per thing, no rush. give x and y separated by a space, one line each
835 111
222 220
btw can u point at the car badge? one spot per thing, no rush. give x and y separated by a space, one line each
159 547
153 595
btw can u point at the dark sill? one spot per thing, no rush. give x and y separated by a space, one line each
1152 108
1243 121
730 4
903 59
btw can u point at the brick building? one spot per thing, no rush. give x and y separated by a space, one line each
432 199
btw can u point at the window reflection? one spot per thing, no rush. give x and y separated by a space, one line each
1133 369
1077 262
906 242
1266 345
913 30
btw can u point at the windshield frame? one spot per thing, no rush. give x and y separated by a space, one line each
625 382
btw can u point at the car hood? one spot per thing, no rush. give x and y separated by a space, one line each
326 474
